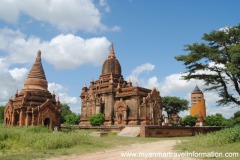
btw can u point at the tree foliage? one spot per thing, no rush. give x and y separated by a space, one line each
236 118
97 119
216 120
2 113
189 120
173 105
72 119
67 116
217 63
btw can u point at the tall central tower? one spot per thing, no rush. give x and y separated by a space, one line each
198 103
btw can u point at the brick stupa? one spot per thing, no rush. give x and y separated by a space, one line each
34 105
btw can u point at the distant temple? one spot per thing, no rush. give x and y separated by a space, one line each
119 101
34 105
198 106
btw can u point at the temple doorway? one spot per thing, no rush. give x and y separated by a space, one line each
120 118
102 109
46 122
16 119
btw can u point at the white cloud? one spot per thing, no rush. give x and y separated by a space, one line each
7 82
104 4
134 76
152 82
69 51
64 98
19 74
72 15
174 83
54 87
62 92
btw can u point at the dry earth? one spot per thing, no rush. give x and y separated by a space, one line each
134 152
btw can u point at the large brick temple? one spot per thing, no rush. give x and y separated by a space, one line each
34 105
119 101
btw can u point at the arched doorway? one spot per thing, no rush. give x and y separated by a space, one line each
16 119
120 118
46 122
6 121
102 109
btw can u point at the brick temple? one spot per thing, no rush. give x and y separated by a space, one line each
34 105
119 101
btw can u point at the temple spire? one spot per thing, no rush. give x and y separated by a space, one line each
196 90
37 68
39 54
111 53
36 78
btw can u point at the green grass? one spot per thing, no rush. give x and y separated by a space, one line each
23 143
40 142
226 140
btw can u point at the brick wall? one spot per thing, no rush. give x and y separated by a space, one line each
174 131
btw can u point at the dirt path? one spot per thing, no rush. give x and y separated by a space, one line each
144 151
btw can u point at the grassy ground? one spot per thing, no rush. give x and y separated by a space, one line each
23 143
224 141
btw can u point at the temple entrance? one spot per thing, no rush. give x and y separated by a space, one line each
102 109
6 121
120 118
46 122
16 119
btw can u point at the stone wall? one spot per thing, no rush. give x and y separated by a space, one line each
174 131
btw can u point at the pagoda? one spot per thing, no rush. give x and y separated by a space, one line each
34 104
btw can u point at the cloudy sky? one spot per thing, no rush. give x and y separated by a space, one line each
74 37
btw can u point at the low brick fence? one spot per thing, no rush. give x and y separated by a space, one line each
152 131
175 131
102 128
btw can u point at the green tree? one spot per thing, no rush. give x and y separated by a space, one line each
97 119
72 118
173 105
189 120
216 61
2 107
216 120
65 111
236 118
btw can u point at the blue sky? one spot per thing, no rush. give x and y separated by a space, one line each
74 37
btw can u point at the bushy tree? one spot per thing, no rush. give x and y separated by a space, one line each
65 111
72 118
173 105
236 118
216 61
216 120
97 119
2 113
189 120
67 116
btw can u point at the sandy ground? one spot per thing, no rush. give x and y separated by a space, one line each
144 151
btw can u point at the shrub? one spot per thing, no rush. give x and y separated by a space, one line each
18 139
189 121
219 138
216 120
72 118
97 119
